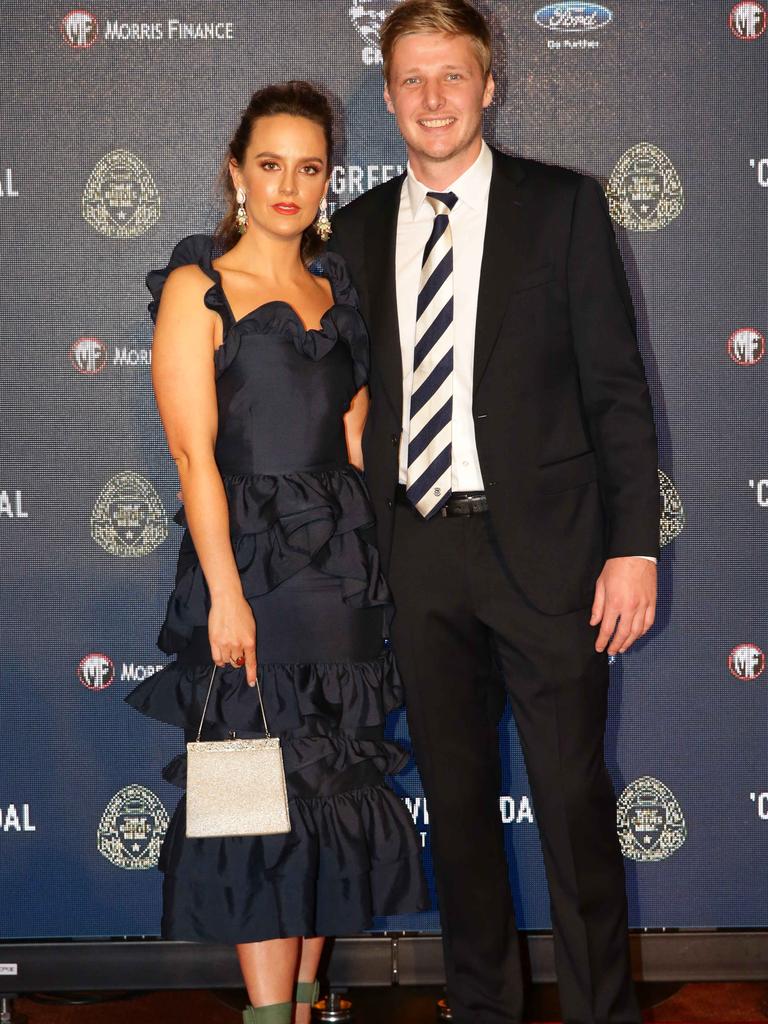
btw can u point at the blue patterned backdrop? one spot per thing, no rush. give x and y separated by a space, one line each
116 119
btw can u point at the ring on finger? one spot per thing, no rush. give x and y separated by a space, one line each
237 662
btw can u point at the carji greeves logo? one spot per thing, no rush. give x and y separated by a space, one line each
573 17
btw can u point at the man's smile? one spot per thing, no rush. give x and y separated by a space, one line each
436 122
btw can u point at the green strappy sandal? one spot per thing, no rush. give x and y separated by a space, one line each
275 1013
307 992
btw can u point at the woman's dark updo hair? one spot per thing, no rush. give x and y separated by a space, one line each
299 99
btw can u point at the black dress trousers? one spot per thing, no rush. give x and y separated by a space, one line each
464 634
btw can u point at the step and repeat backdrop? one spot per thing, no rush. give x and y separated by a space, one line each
116 117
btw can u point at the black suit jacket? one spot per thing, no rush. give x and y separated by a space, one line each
563 419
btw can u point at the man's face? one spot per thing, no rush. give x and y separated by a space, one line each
437 92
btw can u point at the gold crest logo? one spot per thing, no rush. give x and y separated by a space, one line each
672 513
120 198
128 519
650 821
644 191
132 829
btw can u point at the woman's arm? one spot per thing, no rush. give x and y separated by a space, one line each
354 421
184 383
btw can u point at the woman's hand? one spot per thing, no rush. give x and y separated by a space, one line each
232 633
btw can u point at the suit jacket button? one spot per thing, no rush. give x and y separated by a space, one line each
389 503
491 483
395 440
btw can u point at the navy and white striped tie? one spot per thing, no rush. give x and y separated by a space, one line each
428 474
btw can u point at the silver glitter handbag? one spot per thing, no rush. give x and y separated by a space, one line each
236 787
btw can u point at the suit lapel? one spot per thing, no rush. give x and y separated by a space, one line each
380 243
504 252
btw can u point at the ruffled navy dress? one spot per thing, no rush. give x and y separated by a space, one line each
300 518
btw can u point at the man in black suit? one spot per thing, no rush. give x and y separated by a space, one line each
511 456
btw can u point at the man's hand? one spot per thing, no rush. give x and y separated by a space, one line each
625 602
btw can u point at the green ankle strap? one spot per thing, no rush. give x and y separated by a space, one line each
307 991
275 1013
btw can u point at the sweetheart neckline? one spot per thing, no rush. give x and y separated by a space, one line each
215 276
288 306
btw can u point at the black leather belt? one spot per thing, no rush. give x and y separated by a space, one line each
461 503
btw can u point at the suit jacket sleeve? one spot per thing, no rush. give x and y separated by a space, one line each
346 240
615 393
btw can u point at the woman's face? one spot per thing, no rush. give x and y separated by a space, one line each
284 172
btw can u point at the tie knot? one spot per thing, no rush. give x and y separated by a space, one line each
442 202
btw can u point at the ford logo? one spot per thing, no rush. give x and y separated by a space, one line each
573 17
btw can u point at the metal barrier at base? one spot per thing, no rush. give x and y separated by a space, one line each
361 961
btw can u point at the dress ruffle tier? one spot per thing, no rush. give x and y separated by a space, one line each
352 852
279 525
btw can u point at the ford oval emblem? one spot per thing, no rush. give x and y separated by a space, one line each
573 17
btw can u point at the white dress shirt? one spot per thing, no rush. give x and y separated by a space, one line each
414 226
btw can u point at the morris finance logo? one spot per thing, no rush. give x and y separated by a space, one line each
747 20
80 29
132 829
644 191
367 17
746 346
746 662
120 198
88 355
96 671
128 519
649 821
131 672
573 17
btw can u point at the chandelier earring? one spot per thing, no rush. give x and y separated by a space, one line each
241 217
323 224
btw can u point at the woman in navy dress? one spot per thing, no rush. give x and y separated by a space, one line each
260 361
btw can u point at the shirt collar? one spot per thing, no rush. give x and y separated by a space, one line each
472 187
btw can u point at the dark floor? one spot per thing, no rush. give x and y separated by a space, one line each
747 1002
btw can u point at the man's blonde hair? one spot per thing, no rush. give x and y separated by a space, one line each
454 17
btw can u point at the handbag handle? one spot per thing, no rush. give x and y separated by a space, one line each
208 697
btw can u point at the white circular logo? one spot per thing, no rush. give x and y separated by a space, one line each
88 355
747 20
128 518
746 346
644 191
120 198
132 829
649 820
746 662
80 29
96 671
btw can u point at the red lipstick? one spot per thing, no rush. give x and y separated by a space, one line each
287 209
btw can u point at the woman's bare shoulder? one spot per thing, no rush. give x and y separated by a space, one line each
187 284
